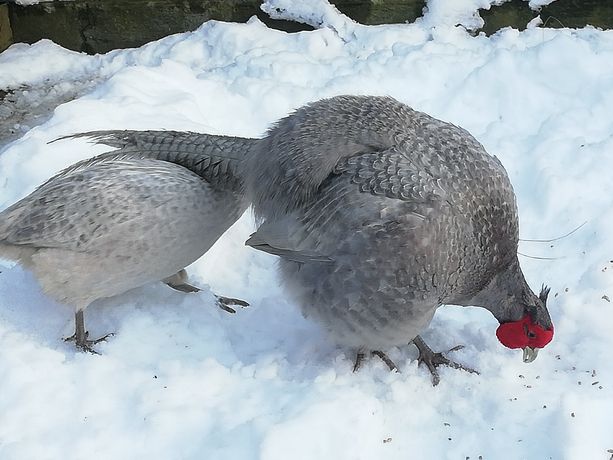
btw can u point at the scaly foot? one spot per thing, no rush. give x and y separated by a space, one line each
184 287
80 336
178 282
432 360
225 302
392 366
360 357
84 344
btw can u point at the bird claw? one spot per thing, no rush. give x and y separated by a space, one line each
456 348
86 345
184 287
432 360
225 302
178 283
391 364
438 359
360 357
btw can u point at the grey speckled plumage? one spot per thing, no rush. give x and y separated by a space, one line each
380 214
214 158
125 218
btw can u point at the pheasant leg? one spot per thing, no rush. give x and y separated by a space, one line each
359 358
432 360
386 360
225 302
179 283
80 337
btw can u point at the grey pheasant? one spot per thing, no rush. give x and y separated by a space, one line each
128 217
380 214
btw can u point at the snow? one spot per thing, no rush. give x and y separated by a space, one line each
183 379
537 4
535 22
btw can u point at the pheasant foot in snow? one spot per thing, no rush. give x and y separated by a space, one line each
386 360
184 287
225 302
179 283
360 357
432 360
80 337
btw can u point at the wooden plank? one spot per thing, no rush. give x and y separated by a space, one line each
97 26
6 34
561 13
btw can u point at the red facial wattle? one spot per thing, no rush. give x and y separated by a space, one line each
523 333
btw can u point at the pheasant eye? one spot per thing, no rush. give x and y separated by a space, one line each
524 334
528 332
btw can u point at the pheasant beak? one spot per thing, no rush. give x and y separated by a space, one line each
530 354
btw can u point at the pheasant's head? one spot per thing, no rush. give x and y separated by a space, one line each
533 331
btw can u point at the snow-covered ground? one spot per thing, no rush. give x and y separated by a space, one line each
182 379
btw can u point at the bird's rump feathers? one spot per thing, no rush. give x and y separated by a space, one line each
110 224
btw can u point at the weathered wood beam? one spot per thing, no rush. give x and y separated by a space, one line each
6 34
97 26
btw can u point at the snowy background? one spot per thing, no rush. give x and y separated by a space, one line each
182 379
